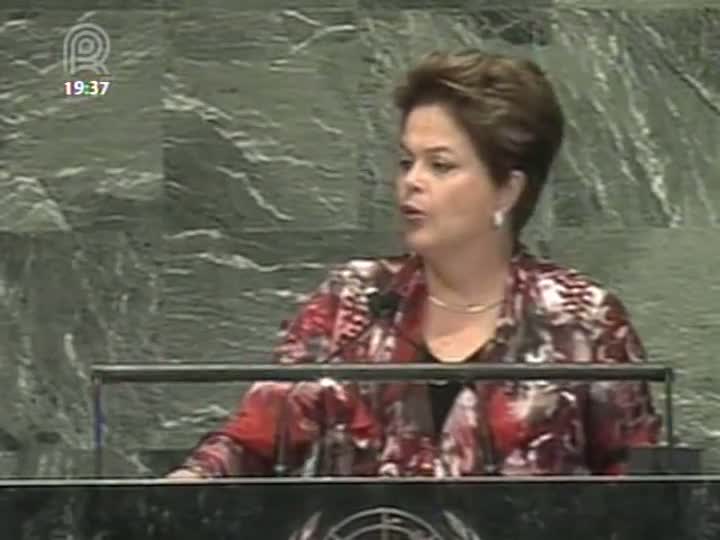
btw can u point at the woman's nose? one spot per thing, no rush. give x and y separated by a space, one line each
412 177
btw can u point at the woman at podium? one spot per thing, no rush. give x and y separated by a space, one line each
478 135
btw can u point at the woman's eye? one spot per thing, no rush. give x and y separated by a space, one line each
442 167
405 164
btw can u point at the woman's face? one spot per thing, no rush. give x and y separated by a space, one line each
445 193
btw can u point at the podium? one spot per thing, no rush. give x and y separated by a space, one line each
589 508
635 507
668 506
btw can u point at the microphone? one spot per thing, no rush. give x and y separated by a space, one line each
384 304
382 307
526 339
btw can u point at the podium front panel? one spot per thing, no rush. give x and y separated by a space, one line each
652 508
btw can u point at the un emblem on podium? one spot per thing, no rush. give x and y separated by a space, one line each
386 523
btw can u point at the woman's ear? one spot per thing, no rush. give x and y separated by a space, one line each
512 190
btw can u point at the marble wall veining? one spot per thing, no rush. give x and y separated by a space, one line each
244 146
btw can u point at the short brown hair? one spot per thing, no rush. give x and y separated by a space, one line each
506 105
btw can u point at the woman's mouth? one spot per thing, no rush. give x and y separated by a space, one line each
412 213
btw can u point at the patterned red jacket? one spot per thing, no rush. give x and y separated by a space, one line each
550 314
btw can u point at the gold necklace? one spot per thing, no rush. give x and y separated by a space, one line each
472 308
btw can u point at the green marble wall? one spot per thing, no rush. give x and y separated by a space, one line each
243 146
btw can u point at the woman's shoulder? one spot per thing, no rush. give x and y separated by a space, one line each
566 291
372 273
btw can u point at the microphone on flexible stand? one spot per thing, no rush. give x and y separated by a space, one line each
382 307
527 338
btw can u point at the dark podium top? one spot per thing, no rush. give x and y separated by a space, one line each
552 508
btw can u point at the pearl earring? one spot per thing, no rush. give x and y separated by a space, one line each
498 218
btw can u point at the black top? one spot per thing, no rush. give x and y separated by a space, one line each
442 396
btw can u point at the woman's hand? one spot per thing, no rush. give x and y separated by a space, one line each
185 475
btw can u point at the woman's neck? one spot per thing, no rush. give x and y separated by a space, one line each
470 275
